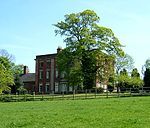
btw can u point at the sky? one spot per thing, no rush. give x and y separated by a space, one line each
26 26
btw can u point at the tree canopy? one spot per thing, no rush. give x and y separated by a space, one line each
86 40
124 62
9 72
6 74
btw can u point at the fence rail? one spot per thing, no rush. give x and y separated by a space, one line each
78 94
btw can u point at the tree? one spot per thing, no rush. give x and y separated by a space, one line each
136 81
135 73
124 62
6 74
147 77
123 79
146 72
4 53
10 73
126 81
17 72
85 40
146 66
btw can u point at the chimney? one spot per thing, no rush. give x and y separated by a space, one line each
59 49
25 71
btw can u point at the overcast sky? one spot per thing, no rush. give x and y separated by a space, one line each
26 26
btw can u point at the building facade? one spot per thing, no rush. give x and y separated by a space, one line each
47 77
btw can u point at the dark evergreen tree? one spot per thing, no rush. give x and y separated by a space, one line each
147 78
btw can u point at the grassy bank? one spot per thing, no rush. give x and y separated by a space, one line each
131 112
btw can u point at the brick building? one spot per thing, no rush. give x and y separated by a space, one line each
47 77
28 80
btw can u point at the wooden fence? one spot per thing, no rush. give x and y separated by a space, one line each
78 94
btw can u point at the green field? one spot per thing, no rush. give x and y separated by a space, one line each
131 112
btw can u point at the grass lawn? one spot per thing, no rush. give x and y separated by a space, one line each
130 112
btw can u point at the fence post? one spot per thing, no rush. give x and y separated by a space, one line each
130 92
33 96
25 97
142 90
42 96
52 95
63 94
73 94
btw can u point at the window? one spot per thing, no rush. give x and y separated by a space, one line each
41 74
62 74
63 87
40 87
47 74
56 86
48 63
56 73
41 64
47 87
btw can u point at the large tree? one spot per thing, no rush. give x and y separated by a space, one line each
4 53
124 62
85 40
6 74
9 72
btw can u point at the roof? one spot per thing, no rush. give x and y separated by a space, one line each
28 77
47 55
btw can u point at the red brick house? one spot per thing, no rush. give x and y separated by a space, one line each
47 77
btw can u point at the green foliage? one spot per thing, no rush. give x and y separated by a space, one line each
147 64
135 73
126 81
147 77
6 74
123 79
22 90
110 85
136 81
146 73
85 41
17 71
124 62
9 72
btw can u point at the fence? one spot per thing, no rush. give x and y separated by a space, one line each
78 94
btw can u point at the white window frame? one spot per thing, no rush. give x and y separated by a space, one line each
41 74
40 87
47 87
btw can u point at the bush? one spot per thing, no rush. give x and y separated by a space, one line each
110 88
100 90
22 90
6 98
